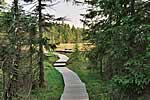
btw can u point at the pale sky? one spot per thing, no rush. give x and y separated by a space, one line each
72 12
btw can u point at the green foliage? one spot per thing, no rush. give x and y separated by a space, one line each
53 80
63 33
23 36
18 53
133 83
97 89
120 31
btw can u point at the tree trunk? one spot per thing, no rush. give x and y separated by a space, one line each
17 48
132 7
41 76
31 56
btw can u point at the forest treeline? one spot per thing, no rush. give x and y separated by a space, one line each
120 31
63 33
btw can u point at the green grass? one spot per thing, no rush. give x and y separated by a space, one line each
54 83
95 87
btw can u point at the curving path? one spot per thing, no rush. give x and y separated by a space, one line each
74 88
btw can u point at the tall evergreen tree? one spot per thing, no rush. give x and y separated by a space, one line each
119 29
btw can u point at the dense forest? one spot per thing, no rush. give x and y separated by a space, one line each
63 33
120 31
117 67
23 37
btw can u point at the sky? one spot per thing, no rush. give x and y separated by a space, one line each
72 12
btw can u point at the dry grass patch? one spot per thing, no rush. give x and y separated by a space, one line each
81 46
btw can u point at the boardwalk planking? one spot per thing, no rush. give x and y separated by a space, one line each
74 88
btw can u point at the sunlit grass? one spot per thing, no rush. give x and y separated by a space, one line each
81 46
53 83
94 85
97 88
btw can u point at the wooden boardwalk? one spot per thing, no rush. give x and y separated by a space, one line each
74 88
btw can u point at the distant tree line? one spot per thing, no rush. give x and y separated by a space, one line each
63 33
